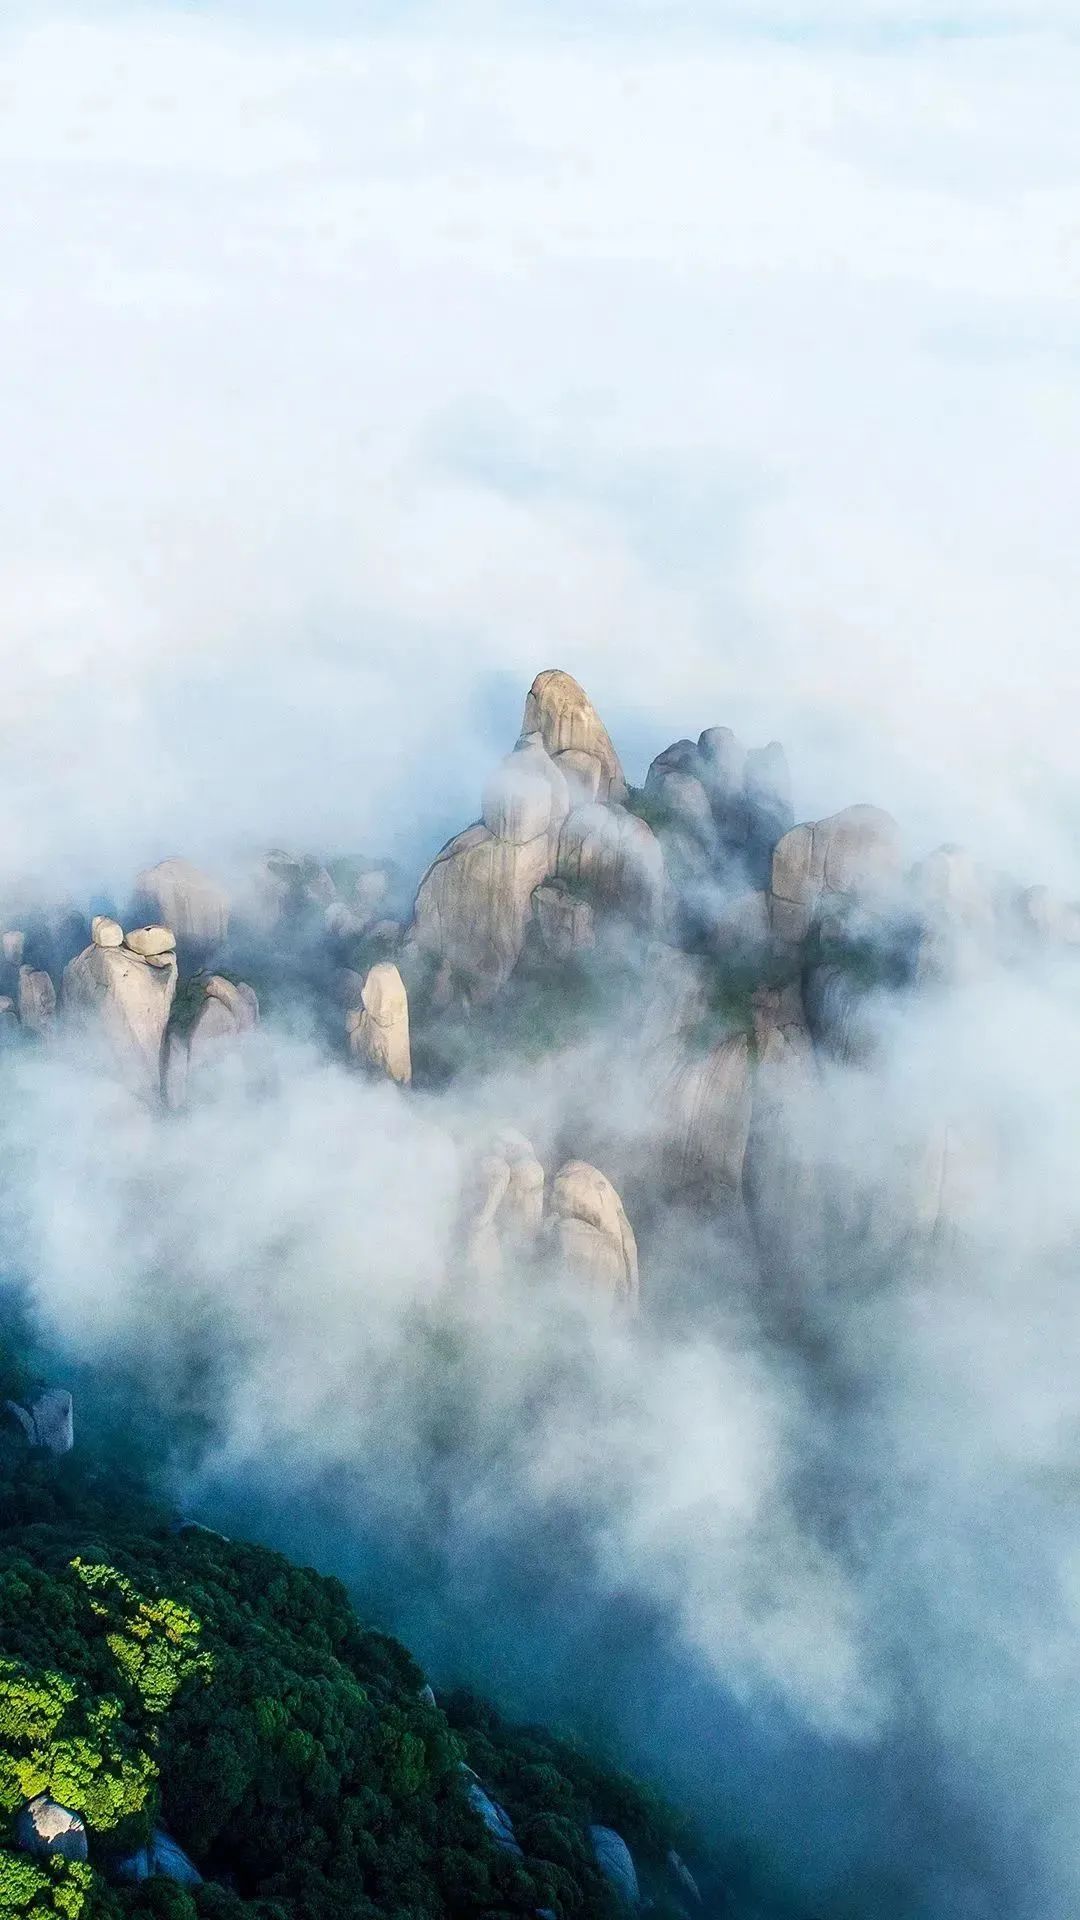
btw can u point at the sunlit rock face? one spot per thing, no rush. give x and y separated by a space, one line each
614 860
474 904
125 994
378 1029
850 860
588 1234
562 714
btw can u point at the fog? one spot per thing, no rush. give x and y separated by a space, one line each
355 369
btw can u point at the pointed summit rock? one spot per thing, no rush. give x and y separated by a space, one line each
571 729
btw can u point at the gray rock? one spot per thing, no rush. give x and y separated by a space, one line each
37 1000
48 1420
495 1818
161 1858
616 1863
44 1826
427 1696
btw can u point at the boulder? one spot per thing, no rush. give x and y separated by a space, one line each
588 1232
105 932
126 998
182 897
616 1863
850 859
614 859
12 947
48 1420
37 1000
474 906
562 714
44 1827
160 1859
495 1818
151 943
379 1029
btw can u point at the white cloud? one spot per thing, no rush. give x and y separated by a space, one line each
773 347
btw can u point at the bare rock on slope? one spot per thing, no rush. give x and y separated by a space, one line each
560 711
614 860
588 1232
850 859
37 1000
44 1827
126 997
379 1028
474 904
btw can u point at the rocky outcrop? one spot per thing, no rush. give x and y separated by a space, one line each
565 921
44 1827
184 898
611 858
36 1000
378 1029
160 1859
704 1108
47 1420
125 994
217 1012
781 1175
851 860
723 809
502 1206
616 1863
563 716
589 1235
474 904
495 1818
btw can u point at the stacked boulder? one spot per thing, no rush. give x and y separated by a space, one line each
123 986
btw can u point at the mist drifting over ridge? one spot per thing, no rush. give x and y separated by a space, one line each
363 373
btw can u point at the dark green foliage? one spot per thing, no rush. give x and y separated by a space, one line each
237 1698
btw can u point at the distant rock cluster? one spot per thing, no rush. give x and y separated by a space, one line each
766 950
